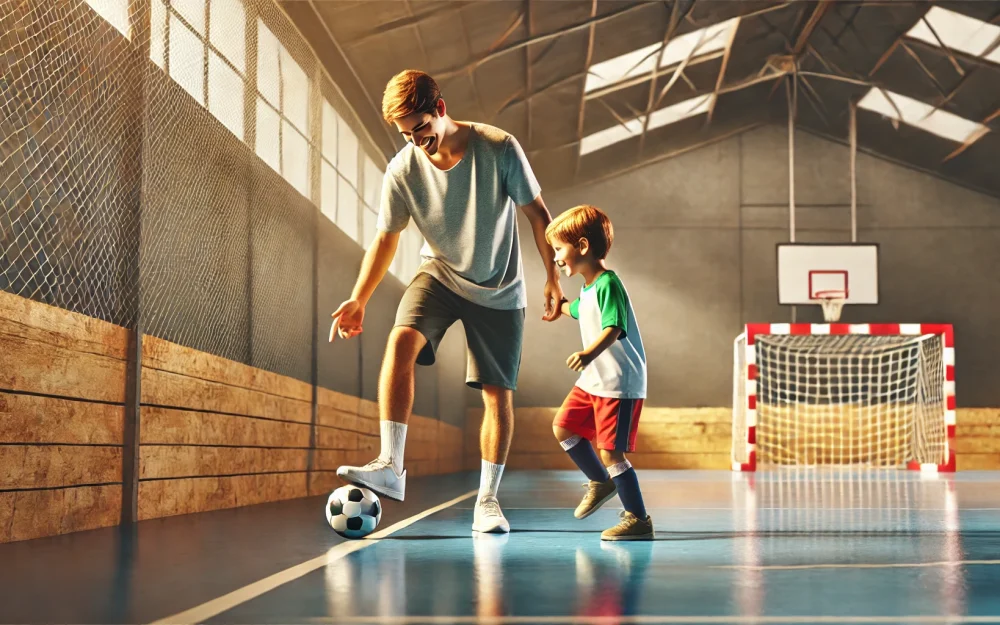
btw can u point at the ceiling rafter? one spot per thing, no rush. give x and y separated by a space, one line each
668 34
583 100
591 22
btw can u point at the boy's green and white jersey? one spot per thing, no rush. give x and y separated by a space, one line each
620 370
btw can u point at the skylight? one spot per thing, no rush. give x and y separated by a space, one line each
633 128
609 136
677 112
920 115
958 32
642 61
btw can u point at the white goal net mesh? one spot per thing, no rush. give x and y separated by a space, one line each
861 400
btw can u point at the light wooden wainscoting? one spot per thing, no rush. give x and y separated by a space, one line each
698 438
62 394
220 434
213 433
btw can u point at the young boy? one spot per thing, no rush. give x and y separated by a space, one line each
605 403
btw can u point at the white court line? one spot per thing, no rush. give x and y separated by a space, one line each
207 610
617 620
857 565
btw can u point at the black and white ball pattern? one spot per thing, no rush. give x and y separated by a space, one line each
353 512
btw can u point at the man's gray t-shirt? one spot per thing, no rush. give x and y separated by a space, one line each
467 214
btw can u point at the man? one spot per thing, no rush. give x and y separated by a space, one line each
459 182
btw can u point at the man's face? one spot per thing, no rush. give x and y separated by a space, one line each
425 130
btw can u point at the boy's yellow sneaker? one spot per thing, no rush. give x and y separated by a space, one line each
597 494
630 527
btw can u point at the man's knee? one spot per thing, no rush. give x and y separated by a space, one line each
498 399
404 346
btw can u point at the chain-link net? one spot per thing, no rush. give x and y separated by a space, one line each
70 144
177 153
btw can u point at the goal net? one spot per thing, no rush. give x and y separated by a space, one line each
820 399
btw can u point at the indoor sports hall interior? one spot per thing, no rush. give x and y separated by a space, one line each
806 207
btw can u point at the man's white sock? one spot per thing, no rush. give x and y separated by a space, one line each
393 443
489 479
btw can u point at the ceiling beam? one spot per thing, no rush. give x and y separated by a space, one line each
591 22
807 30
668 33
722 70
583 89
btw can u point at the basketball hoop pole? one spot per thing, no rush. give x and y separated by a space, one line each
854 171
791 92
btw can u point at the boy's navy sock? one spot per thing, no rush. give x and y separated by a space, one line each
583 454
628 488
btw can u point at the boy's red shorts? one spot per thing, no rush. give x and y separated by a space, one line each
609 421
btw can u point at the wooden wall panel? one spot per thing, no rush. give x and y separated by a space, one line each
61 328
61 420
36 419
169 426
159 498
33 367
27 514
170 461
49 466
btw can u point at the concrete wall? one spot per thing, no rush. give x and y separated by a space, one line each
695 244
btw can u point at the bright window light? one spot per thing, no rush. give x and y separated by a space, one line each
920 115
682 110
114 12
958 32
642 61
633 128
610 136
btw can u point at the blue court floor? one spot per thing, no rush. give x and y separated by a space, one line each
776 547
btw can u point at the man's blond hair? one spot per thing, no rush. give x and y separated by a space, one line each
408 92
581 222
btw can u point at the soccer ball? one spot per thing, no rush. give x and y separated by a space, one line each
353 512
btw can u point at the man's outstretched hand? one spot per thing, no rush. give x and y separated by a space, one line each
553 300
347 320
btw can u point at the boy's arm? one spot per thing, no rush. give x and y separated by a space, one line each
579 360
564 308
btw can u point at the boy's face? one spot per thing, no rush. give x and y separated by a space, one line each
425 130
568 255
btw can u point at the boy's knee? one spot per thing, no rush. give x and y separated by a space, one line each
560 432
610 457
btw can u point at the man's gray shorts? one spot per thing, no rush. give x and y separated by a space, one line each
494 337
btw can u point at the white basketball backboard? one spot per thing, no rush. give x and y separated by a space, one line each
807 270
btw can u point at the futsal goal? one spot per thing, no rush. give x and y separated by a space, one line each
837 394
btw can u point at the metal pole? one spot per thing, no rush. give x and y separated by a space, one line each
791 87
790 92
854 177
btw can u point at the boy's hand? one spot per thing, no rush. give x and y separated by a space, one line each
579 361
553 300
347 320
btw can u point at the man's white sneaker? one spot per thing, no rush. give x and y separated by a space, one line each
378 476
488 517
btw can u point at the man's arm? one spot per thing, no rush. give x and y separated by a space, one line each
347 319
375 265
539 218
580 360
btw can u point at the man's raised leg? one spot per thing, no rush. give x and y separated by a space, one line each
385 475
494 442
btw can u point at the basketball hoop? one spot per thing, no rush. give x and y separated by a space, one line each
832 303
